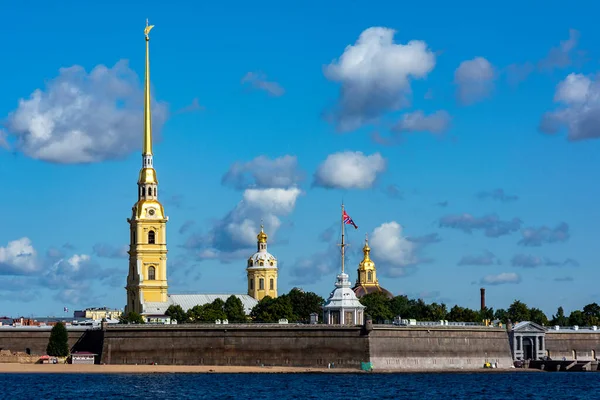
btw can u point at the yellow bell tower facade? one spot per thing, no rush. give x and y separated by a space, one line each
367 281
262 270
147 277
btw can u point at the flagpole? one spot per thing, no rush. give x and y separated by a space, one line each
343 243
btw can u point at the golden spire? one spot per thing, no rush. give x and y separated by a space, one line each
262 236
147 117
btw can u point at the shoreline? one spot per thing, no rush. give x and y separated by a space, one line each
15 368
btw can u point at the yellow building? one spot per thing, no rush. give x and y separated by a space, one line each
367 282
98 313
147 278
262 270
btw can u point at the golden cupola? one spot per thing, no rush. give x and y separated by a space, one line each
262 236
367 281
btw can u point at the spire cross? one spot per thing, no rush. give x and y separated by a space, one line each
261 225
366 237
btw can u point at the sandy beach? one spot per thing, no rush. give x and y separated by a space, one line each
204 369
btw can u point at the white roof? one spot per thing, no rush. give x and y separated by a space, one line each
343 296
264 256
187 301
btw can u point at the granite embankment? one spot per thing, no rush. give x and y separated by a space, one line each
387 348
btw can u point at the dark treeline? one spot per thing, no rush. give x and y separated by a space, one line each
382 309
297 306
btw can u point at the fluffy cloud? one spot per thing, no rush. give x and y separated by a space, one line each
83 117
417 121
491 224
545 235
393 251
500 279
108 251
530 261
235 235
498 194
375 76
263 172
311 269
349 170
3 140
474 79
579 111
18 258
70 277
258 80
486 258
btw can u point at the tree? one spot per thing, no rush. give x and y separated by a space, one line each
304 304
377 306
234 309
58 344
486 313
560 319
209 312
131 318
436 312
272 310
460 314
591 314
502 315
577 318
401 306
518 311
176 312
536 315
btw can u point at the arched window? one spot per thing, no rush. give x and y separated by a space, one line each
261 284
151 237
251 284
370 276
143 192
272 284
271 263
151 273
261 263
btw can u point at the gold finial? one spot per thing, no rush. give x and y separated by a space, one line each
262 236
147 114
366 248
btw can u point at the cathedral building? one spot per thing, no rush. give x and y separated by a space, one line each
366 281
147 287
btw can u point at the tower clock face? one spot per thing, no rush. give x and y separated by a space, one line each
151 211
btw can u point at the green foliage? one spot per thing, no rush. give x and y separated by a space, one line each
536 315
460 314
518 311
131 318
577 318
234 309
377 306
560 319
272 310
304 304
502 315
591 314
58 344
177 313
208 312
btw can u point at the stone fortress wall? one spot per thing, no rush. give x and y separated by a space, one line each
387 347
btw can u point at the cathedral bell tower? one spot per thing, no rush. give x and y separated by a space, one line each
262 270
147 278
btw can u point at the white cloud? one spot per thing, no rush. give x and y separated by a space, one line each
474 79
264 172
375 75
391 249
349 170
579 111
235 234
259 81
500 279
18 258
417 121
84 117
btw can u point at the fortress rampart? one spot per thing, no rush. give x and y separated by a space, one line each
387 347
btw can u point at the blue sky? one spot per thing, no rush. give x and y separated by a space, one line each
462 139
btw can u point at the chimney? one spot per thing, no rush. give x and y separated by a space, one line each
482 298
